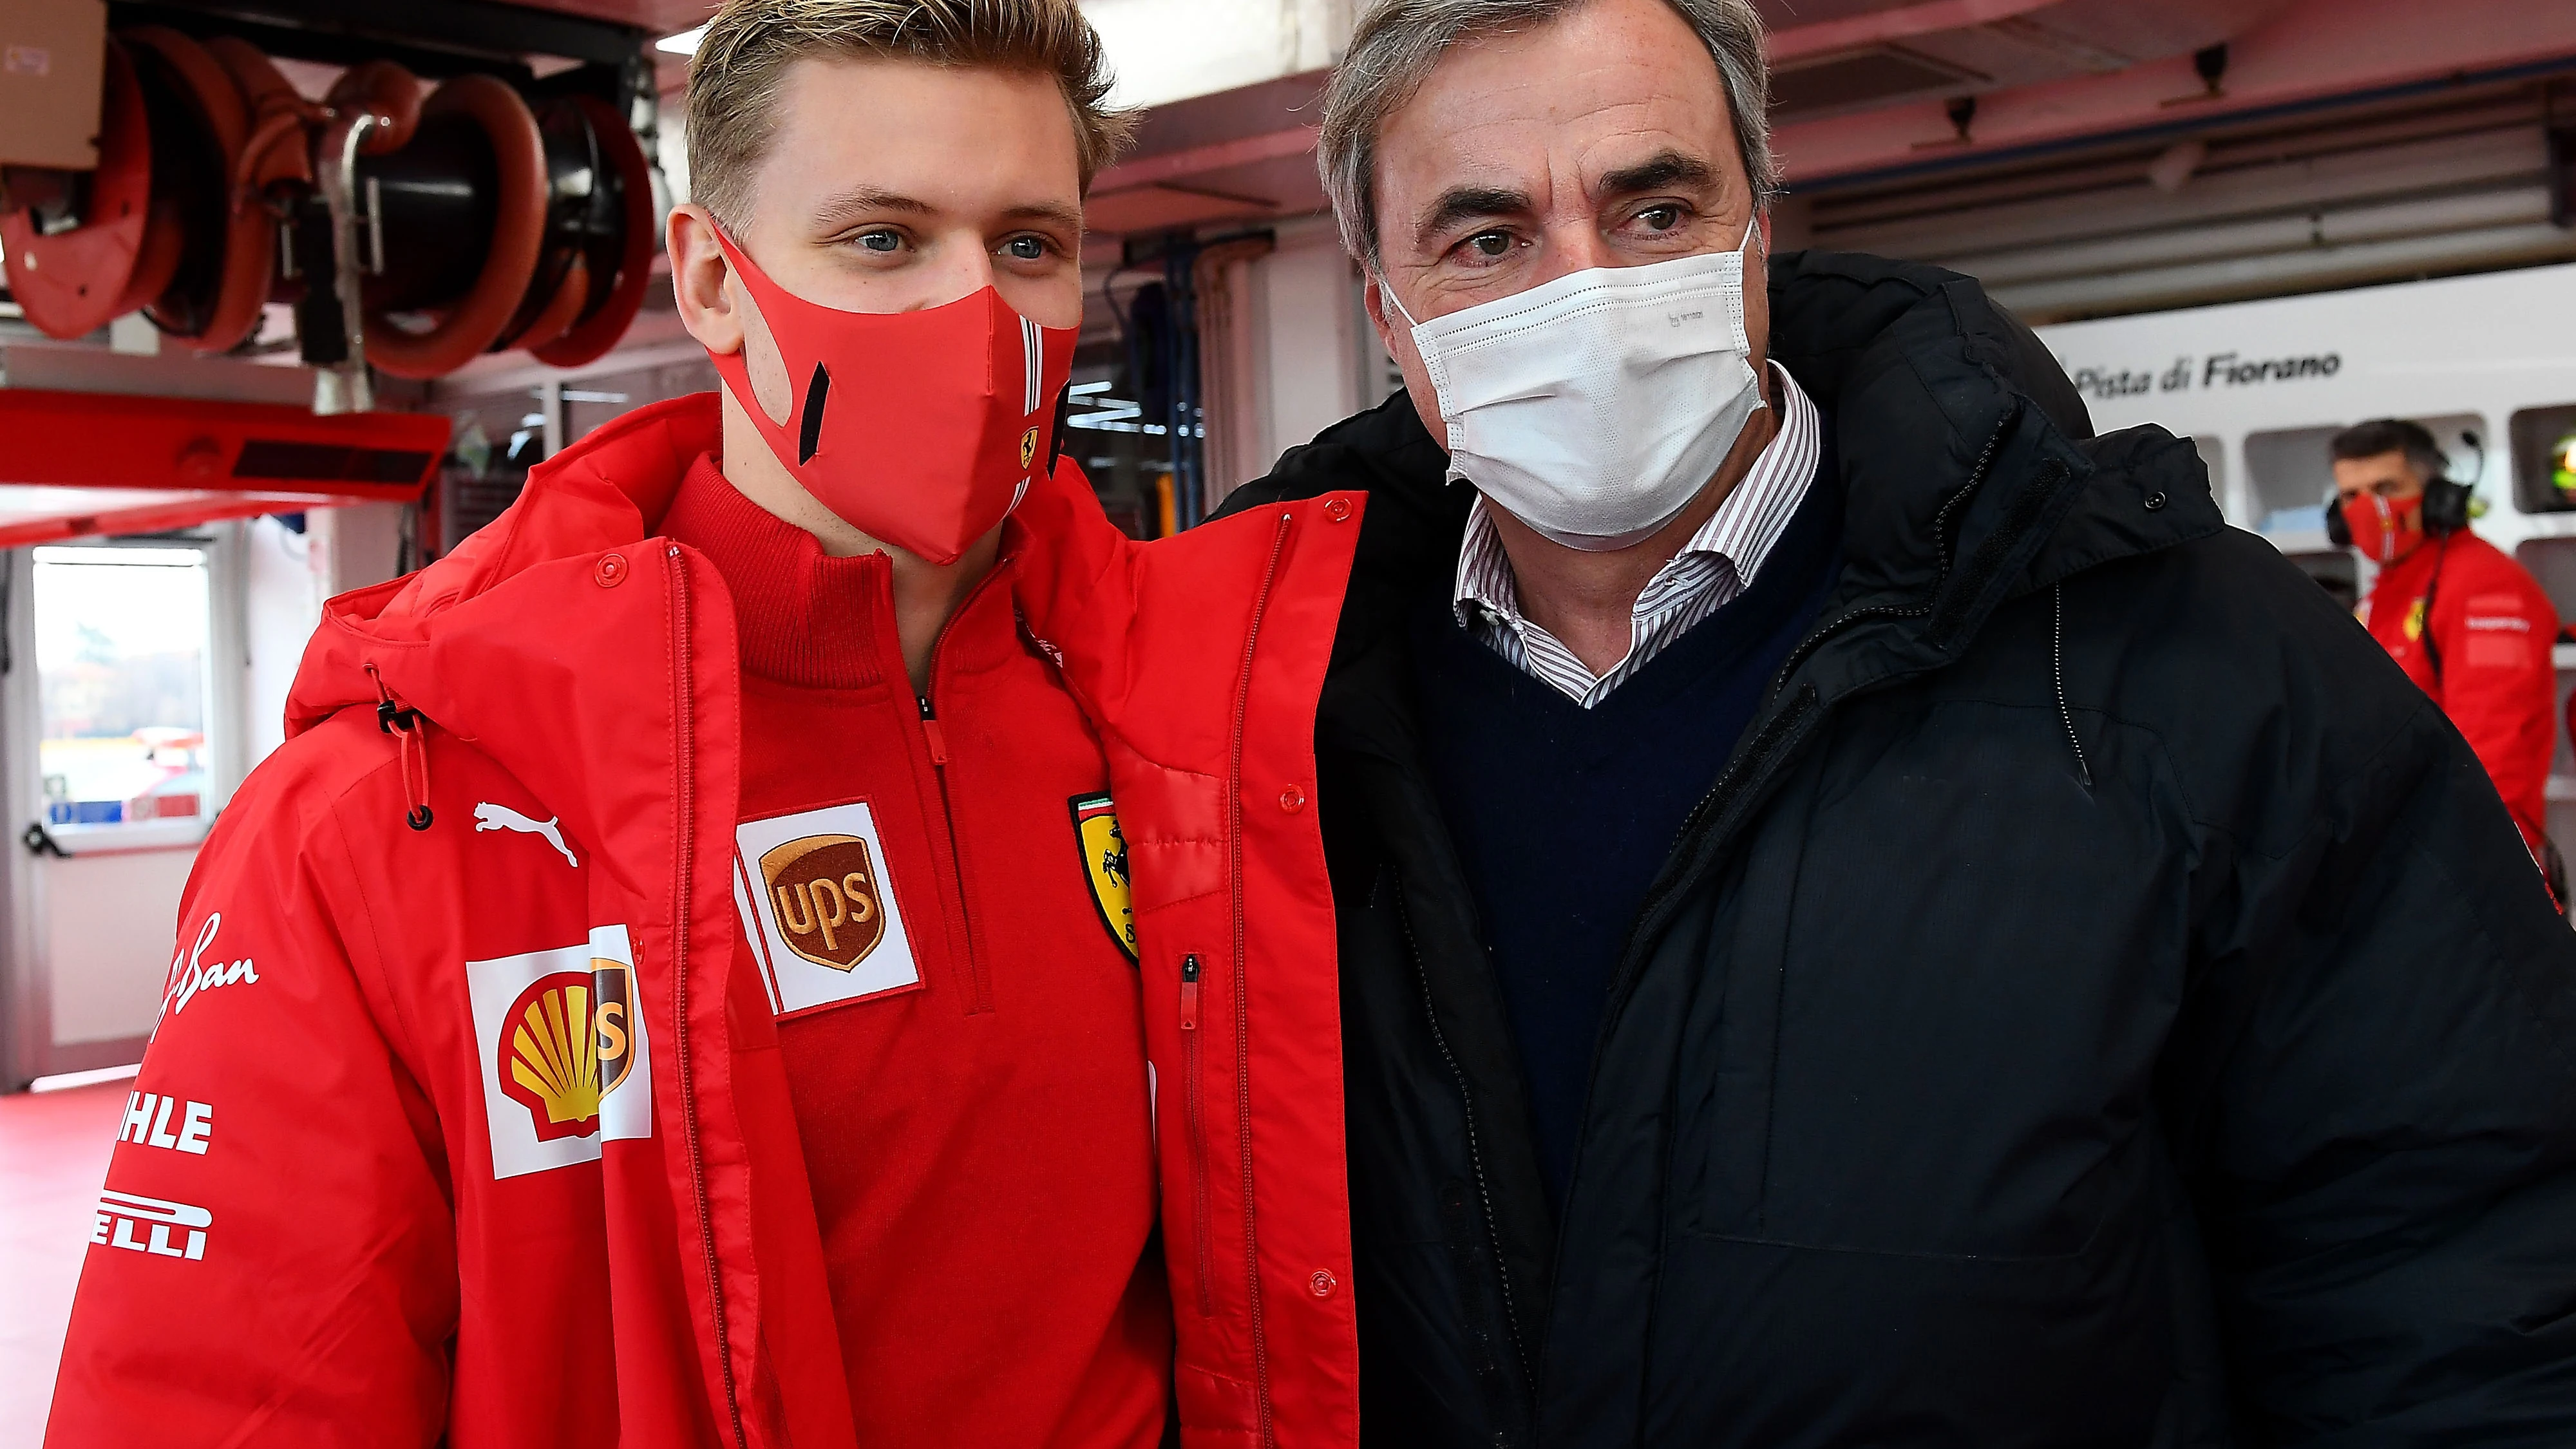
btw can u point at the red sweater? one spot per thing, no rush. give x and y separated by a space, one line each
960 1029
2489 668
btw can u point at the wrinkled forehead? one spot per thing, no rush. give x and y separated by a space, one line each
1552 110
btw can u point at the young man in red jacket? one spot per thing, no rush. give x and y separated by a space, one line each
2470 626
677 986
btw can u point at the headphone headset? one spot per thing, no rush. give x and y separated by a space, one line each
2446 505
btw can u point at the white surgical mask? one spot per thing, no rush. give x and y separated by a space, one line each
1597 406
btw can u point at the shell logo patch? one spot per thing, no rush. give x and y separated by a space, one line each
566 1065
1104 864
819 909
571 1044
1028 447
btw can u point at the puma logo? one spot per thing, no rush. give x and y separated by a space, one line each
488 816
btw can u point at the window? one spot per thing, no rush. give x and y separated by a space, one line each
2288 475
2544 458
122 646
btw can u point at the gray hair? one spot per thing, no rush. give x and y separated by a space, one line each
1398 42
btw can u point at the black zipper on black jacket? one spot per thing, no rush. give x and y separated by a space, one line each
1768 739
1752 769
1475 1154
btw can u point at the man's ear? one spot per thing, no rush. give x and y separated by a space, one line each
698 275
1373 298
718 311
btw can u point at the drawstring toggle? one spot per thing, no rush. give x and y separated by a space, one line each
404 725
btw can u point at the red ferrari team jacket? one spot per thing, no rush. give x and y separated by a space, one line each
357 1211
2472 628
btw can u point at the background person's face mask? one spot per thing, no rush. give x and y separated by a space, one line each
921 429
2382 530
1595 407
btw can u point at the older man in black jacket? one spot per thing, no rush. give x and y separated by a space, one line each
1934 940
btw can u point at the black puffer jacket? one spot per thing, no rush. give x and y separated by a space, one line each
2099 1003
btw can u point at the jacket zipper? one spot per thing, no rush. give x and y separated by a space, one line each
684 782
1940 531
979 981
1475 1153
1242 986
1195 1111
1788 727
1818 636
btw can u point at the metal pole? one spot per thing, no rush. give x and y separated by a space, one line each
344 387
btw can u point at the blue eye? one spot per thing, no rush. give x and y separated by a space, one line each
880 241
1026 248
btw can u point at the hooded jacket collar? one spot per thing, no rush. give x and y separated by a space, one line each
605 491
600 667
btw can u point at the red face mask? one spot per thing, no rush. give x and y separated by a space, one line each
2383 530
919 428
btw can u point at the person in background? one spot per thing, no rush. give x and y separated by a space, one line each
2470 626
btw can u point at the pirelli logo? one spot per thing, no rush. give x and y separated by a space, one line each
151 1225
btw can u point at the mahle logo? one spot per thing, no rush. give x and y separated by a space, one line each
570 1044
824 888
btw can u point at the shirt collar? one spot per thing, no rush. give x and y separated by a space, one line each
1738 536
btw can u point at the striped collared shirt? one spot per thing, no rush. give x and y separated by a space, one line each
1717 564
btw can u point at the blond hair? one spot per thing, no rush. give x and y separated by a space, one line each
750 44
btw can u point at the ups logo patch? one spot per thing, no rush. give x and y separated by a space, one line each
819 909
825 892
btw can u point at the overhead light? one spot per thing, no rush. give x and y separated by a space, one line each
2172 171
684 43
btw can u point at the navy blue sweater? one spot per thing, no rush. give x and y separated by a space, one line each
1563 815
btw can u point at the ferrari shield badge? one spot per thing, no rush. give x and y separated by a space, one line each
1104 860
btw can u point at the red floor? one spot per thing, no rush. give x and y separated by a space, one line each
53 1156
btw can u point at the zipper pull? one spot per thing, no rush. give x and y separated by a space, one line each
1189 993
930 732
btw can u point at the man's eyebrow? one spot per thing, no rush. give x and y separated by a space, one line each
1467 203
861 200
1665 170
1068 217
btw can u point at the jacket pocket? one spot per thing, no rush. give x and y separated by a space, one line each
1194 1130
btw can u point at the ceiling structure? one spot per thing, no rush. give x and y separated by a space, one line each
1880 95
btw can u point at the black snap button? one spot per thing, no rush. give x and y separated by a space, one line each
2155 501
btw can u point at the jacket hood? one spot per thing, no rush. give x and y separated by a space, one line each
604 491
551 638
600 668
1931 388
